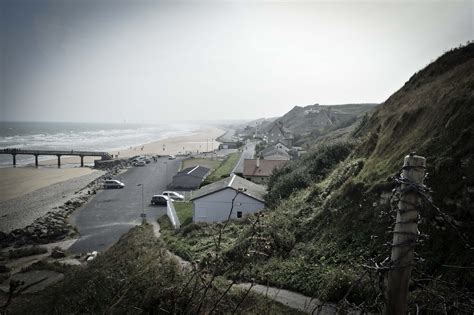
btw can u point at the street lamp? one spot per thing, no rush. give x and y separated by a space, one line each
143 215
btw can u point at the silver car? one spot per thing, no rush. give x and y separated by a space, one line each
173 195
113 183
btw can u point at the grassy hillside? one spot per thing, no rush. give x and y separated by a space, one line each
330 214
137 276
316 120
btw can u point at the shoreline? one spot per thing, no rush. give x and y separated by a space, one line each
202 139
21 211
24 179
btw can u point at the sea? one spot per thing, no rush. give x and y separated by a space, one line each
82 136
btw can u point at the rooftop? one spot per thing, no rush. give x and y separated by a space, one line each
235 182
265 167
197 171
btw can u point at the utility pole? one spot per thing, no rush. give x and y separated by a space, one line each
405 235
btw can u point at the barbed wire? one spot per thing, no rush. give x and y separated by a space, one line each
382 265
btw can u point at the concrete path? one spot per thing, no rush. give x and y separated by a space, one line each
248 153
184 263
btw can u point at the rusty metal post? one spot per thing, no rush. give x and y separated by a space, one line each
405 236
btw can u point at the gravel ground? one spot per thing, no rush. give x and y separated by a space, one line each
22 211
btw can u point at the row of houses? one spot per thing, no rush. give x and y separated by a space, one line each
235 196
279 134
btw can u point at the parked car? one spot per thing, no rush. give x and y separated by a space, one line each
113 183
159 200
139 163
138 158
173 195
171 157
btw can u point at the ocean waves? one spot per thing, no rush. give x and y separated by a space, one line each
73 136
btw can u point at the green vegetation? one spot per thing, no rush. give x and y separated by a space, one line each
48 265
196 241
221 168
292 245
327 225
184 210
28 251
299 174
329 214
138 276
225 168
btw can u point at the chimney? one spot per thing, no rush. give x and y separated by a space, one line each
258 161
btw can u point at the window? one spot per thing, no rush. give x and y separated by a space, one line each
239 214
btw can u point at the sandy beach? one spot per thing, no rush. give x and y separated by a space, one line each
23 210
26 179
23 180
203 140
27 192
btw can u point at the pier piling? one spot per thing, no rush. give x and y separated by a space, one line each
14 152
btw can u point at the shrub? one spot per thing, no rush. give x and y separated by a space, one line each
23 252
313 167
190 228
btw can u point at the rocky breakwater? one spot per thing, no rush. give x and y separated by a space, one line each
54 225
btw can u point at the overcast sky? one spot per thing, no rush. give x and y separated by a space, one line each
154 60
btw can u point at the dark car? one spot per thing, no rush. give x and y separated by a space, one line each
159 200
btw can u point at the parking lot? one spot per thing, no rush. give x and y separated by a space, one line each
112 212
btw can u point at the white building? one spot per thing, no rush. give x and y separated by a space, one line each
213 202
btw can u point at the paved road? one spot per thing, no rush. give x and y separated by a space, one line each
113 212
248 153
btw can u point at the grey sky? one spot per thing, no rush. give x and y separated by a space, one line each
153 61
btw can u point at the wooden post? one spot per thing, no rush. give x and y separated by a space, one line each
14 160
82 160
405 235
59 161
36 160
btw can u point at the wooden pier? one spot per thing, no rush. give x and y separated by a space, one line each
36 153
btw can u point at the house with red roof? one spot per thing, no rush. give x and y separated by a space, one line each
258 170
